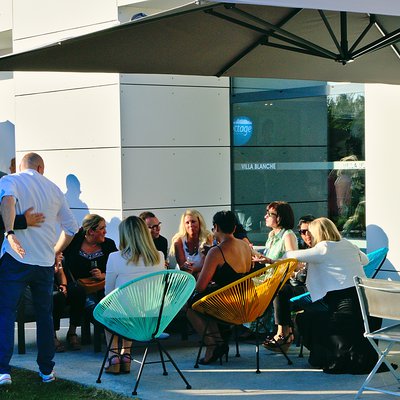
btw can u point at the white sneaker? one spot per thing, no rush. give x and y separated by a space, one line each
47 378
5 379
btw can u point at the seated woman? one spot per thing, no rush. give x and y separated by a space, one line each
280 218
188 243
137 256
335 338
225 263
86 257
293 287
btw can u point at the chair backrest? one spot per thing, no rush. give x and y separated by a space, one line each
376 259
378 298
247 298
142 308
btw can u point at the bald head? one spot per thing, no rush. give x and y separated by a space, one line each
32 161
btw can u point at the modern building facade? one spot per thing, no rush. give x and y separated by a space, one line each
120 144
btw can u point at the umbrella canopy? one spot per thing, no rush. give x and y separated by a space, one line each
233 40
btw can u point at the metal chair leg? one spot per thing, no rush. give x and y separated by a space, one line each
134 392
257 350
160 350
104 360
202 343
188 386
236 329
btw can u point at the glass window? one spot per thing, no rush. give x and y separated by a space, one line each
301 144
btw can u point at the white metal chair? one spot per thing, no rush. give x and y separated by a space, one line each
380 298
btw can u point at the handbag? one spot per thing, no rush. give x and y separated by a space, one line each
91 285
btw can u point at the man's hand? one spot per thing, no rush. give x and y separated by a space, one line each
59 258
33 219
16 245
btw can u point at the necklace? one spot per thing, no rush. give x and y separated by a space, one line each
191 248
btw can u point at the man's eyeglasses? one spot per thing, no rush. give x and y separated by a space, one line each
270 214
155 226
304 231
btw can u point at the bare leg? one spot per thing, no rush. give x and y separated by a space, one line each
283 330
126 347
114 346
199 324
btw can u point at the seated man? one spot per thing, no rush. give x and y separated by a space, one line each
153 224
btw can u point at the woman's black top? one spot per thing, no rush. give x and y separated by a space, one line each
79 263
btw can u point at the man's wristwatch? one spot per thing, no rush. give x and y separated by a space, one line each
8 233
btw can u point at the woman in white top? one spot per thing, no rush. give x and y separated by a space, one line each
335 338
137 256
188 243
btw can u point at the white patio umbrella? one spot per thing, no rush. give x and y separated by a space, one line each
248 40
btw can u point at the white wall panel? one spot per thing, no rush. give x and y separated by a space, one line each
174 178
5 15
7 124
39 82
7 109
113 219
174 80
38 17
46 39
82 118
98 172
174 116
382 141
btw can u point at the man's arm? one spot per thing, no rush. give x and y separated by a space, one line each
28 218
63 241
7 210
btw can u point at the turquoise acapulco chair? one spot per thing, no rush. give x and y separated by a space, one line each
141 309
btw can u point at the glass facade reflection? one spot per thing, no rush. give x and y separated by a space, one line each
302 142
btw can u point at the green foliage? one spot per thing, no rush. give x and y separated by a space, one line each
28 386
346 120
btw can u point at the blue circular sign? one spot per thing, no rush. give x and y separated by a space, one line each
242 130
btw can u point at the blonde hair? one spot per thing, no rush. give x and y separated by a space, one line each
323 229
204 234
135 241
91 221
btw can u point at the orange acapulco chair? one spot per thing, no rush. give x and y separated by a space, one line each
245 300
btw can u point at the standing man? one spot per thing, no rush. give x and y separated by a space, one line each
153 224
27 258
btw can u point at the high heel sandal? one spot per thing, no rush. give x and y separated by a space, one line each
125 360
218 353
113 367
282 343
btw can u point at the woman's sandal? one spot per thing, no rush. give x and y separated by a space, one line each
125 360
282 343
114 365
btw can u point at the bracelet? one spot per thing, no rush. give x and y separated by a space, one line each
62 284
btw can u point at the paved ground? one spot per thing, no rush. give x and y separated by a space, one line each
236 378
